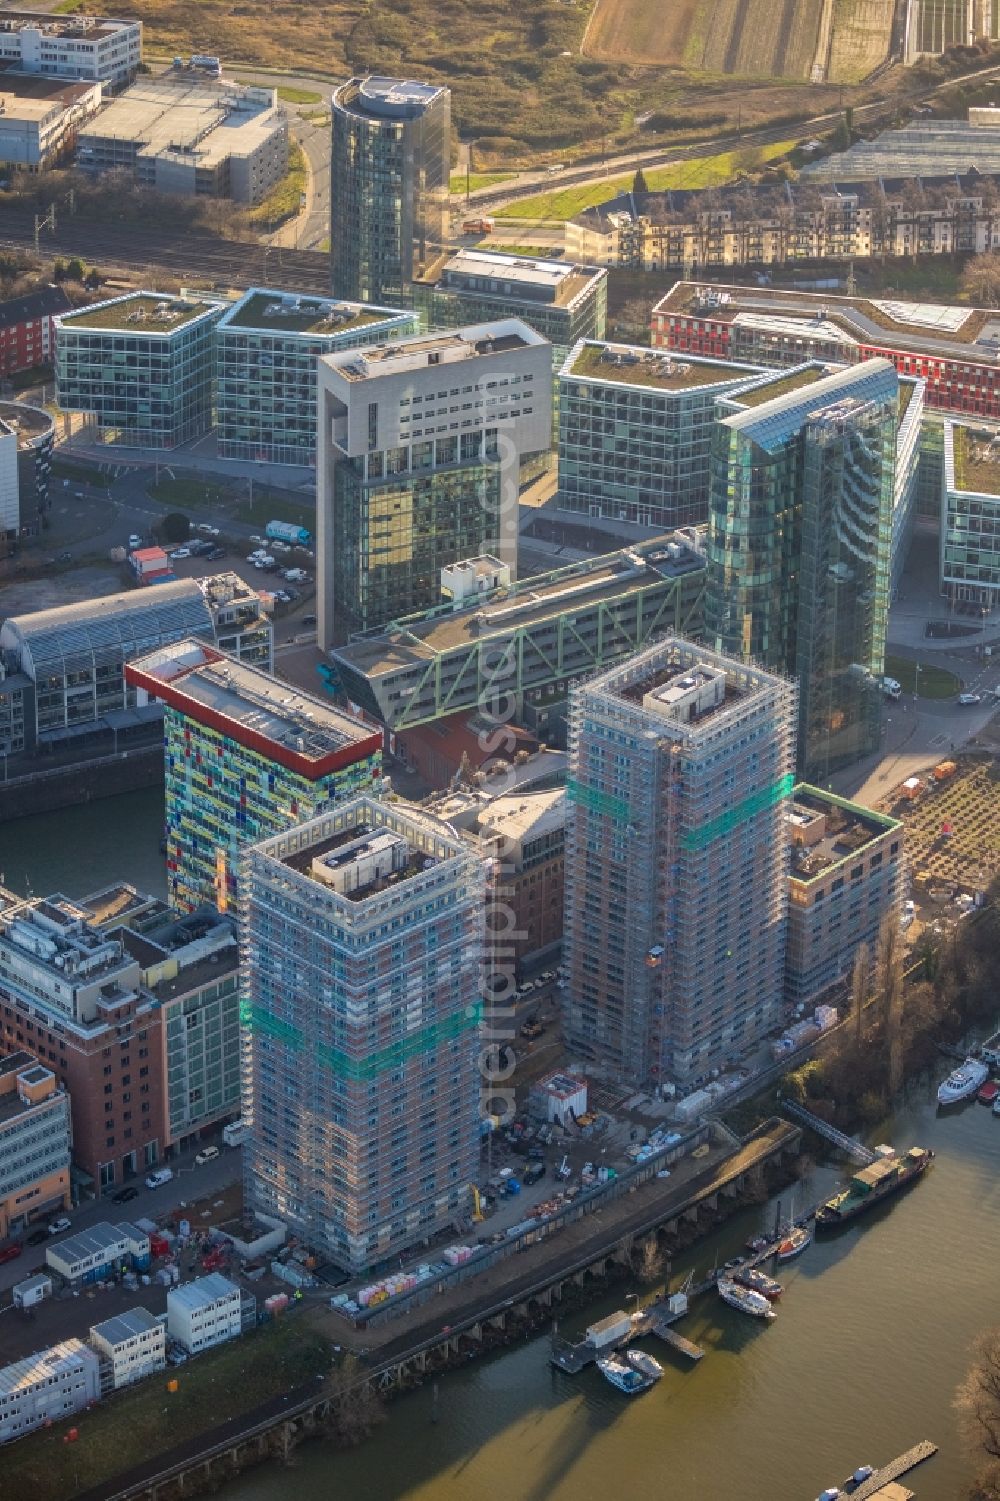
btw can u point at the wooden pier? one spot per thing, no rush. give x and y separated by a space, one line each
680 1344
869 1489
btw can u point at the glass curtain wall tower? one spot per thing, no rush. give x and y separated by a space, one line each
389 185
799 550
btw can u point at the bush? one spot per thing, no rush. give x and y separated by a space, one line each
175 527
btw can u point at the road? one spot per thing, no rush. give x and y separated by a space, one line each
189 1183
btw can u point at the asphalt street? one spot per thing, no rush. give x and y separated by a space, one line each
188 1183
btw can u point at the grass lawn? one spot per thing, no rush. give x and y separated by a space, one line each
478 180
266 507
534 252
299 96
193 493
136 1425
87 473
934 681
699 172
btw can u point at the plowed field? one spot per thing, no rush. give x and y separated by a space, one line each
751 38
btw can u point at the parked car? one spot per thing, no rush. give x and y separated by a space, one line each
309 620
10 1252
210 531
207 1154
258 540
179 552
968 699
280 546
59 1224
125 1195
215 554
158 1177
36 1238
134 541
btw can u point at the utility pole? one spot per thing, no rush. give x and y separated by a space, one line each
50 220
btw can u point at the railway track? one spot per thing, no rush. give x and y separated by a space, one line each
130 248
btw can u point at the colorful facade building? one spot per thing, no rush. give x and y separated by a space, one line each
27 330
246 757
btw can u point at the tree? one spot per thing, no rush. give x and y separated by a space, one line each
632 319
980 281
889 994
74 270
977 1402
175 527
860 989
639 183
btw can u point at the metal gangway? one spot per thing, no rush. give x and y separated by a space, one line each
849 1144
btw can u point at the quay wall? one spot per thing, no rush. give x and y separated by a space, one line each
530 1300
48 790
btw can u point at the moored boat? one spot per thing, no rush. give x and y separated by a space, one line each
625 1376
963 1082
870 1185
745 1300
646 1365
793 1243
758 1282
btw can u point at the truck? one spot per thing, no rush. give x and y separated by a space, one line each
235 1134
481 226
286 531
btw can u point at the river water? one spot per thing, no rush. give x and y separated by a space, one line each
79 850
871 1338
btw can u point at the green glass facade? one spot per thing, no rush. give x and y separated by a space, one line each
396 531
143 377
389 186
266 349
799 549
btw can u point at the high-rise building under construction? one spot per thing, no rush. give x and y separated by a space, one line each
680 779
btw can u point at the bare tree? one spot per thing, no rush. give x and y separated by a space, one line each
861 979
981 280
889 994
977 1402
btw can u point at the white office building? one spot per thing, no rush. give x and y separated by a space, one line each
132 1345
204 1312
47 1386
71 46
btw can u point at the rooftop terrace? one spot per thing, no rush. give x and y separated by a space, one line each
29 423
139 313
826 831
626 364
292 313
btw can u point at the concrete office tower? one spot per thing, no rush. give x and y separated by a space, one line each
265 361
389 184
676 861
364 935
420 444
799 548
635 432
245 756
27 437
140 367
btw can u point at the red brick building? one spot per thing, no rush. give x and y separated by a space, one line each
26 331
73 996
953 348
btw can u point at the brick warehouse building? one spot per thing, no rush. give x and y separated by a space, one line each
953 348
73 996
27 336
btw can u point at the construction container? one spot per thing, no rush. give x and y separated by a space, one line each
608 1331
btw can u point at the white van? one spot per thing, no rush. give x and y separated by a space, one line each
891 688
158 1177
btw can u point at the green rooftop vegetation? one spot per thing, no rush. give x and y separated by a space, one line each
278 313
784 386
140 315
649 367
977 464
